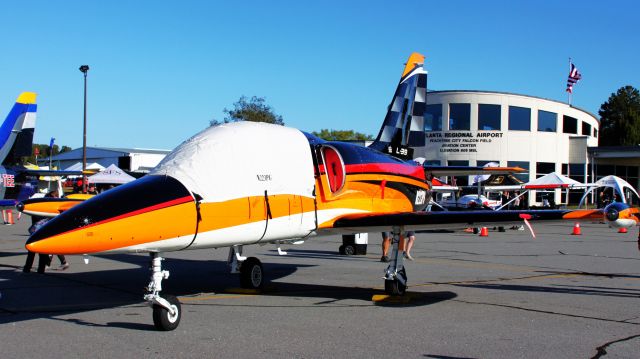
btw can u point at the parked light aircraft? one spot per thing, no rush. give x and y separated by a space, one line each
16 138
50 207
248 183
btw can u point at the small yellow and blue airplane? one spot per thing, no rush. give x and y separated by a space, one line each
245 183
17 182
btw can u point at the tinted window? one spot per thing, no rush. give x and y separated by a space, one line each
459 180
595 133
433 118
547 121
544 168
524 177
519 118
458 163
576 172
488 117
569 125
586 129
481 163
460 116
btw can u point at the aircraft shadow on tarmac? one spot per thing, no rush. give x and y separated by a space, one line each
565 288
34 296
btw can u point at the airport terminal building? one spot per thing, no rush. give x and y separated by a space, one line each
473 128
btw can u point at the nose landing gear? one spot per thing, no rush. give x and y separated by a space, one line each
166 309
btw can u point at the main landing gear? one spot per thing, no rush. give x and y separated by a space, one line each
250 269
166 309
395 276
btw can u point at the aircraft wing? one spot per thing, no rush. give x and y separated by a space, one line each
456 219
30 172
470 170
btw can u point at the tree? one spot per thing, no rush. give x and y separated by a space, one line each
254 109
620 118
43 151
342 135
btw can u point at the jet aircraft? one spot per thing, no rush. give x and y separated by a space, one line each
246 183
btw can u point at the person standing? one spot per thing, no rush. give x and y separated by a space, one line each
411 237
386 243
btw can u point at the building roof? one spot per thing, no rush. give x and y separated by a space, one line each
514 94
101 152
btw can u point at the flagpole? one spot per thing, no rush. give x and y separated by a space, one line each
569 92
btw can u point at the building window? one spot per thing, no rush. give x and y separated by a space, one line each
595 133
489 117
547 121
459 180
519 118
544 168
586 129
458 163
481 163
460 116
432 163
569 124
433 118
524 177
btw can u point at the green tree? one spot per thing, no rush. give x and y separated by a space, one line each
254 109
43 151
620 118
342 135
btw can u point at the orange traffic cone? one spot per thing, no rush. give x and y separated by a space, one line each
484 232
9 217
576 230
622 230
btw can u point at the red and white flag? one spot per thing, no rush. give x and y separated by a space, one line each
574 77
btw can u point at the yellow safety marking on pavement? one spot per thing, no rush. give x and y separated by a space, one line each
243 291
386 298
207 297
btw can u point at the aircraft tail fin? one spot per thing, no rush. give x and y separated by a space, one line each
403 125
16 132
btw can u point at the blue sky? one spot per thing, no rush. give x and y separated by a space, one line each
160 70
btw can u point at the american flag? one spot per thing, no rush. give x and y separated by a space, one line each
574 77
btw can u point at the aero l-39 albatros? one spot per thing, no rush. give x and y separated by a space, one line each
246 183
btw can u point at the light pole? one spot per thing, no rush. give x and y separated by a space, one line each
84 69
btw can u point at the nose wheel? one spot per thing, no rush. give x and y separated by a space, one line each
166 309
167 319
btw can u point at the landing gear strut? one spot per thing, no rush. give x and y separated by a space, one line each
395 276
166 310
250 269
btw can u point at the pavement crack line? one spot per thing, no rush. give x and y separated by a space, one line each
602 350
547 312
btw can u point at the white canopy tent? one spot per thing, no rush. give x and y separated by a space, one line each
111 175
90 166
553 180
618 184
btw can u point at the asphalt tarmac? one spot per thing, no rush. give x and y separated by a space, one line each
502 296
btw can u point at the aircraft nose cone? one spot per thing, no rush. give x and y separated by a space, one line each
612 214
108 220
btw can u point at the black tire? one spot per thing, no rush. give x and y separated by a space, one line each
162 319
349 250
251 273
394 287
341 250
